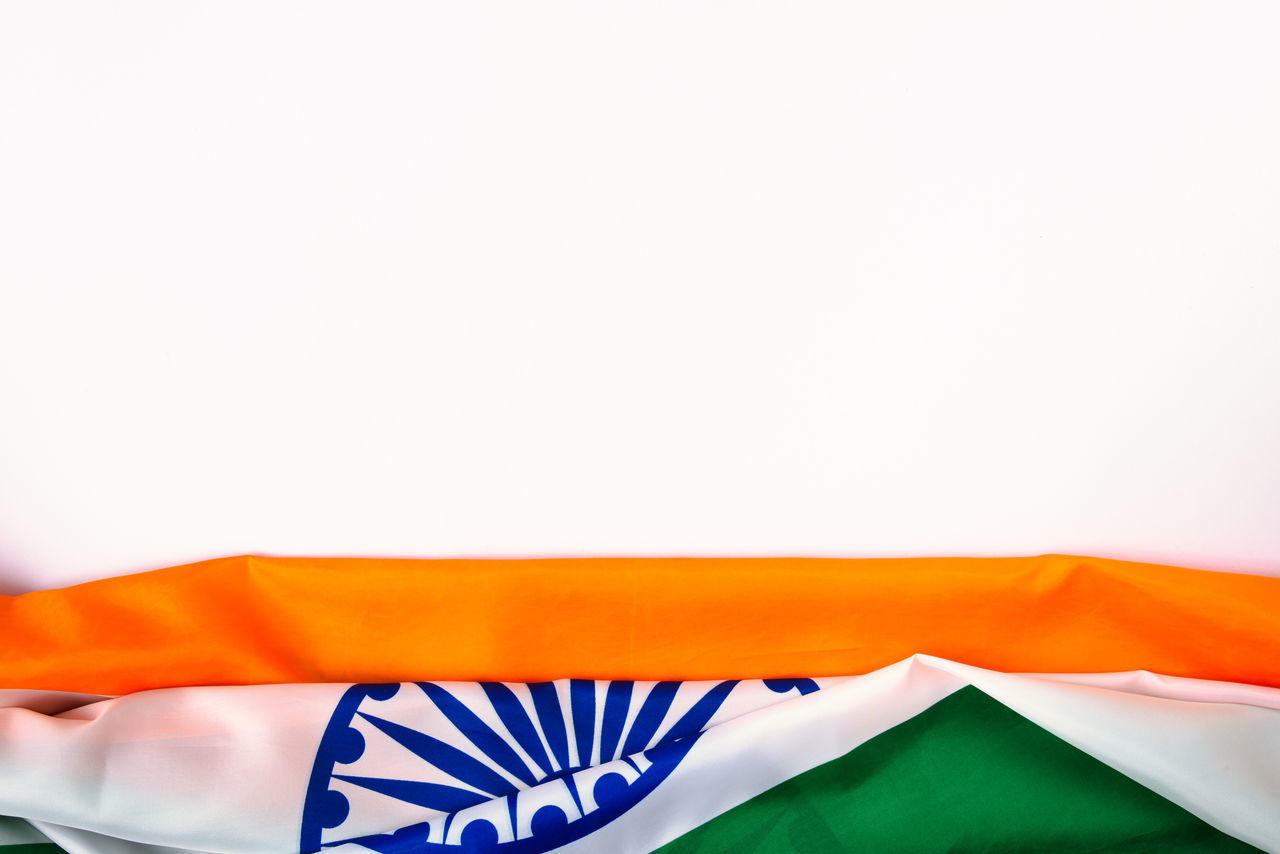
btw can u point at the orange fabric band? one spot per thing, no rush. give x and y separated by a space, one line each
256 620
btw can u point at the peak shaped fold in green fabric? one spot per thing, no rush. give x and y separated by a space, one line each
966 775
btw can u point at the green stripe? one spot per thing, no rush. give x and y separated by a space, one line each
967 775
18 836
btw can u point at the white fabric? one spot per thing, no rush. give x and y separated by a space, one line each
225 769
1211 747
216 769
16 831
73 840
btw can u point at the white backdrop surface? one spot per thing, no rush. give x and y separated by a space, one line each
508 278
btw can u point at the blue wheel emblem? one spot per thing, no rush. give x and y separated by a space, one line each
516 769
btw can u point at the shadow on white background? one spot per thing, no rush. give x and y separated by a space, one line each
672 278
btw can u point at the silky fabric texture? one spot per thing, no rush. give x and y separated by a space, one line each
248 619
233 769
966 774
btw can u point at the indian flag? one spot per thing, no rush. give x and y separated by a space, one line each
253 705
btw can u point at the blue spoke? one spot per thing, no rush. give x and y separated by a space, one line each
696 718
449 759
432 796
617 700
582 703
650 717
546 702
478 732
516 720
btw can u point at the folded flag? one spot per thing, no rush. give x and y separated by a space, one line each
250 619
925 754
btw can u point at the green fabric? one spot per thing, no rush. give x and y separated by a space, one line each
967 775
17 836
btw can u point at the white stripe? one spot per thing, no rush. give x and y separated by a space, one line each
751 754
225 769
1211 747
1219 761
76 841
215 769
17 831
45 702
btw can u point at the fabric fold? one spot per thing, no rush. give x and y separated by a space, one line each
253 620
629 766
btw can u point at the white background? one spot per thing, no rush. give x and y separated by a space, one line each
430 279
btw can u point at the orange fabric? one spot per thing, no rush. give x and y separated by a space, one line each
255 619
